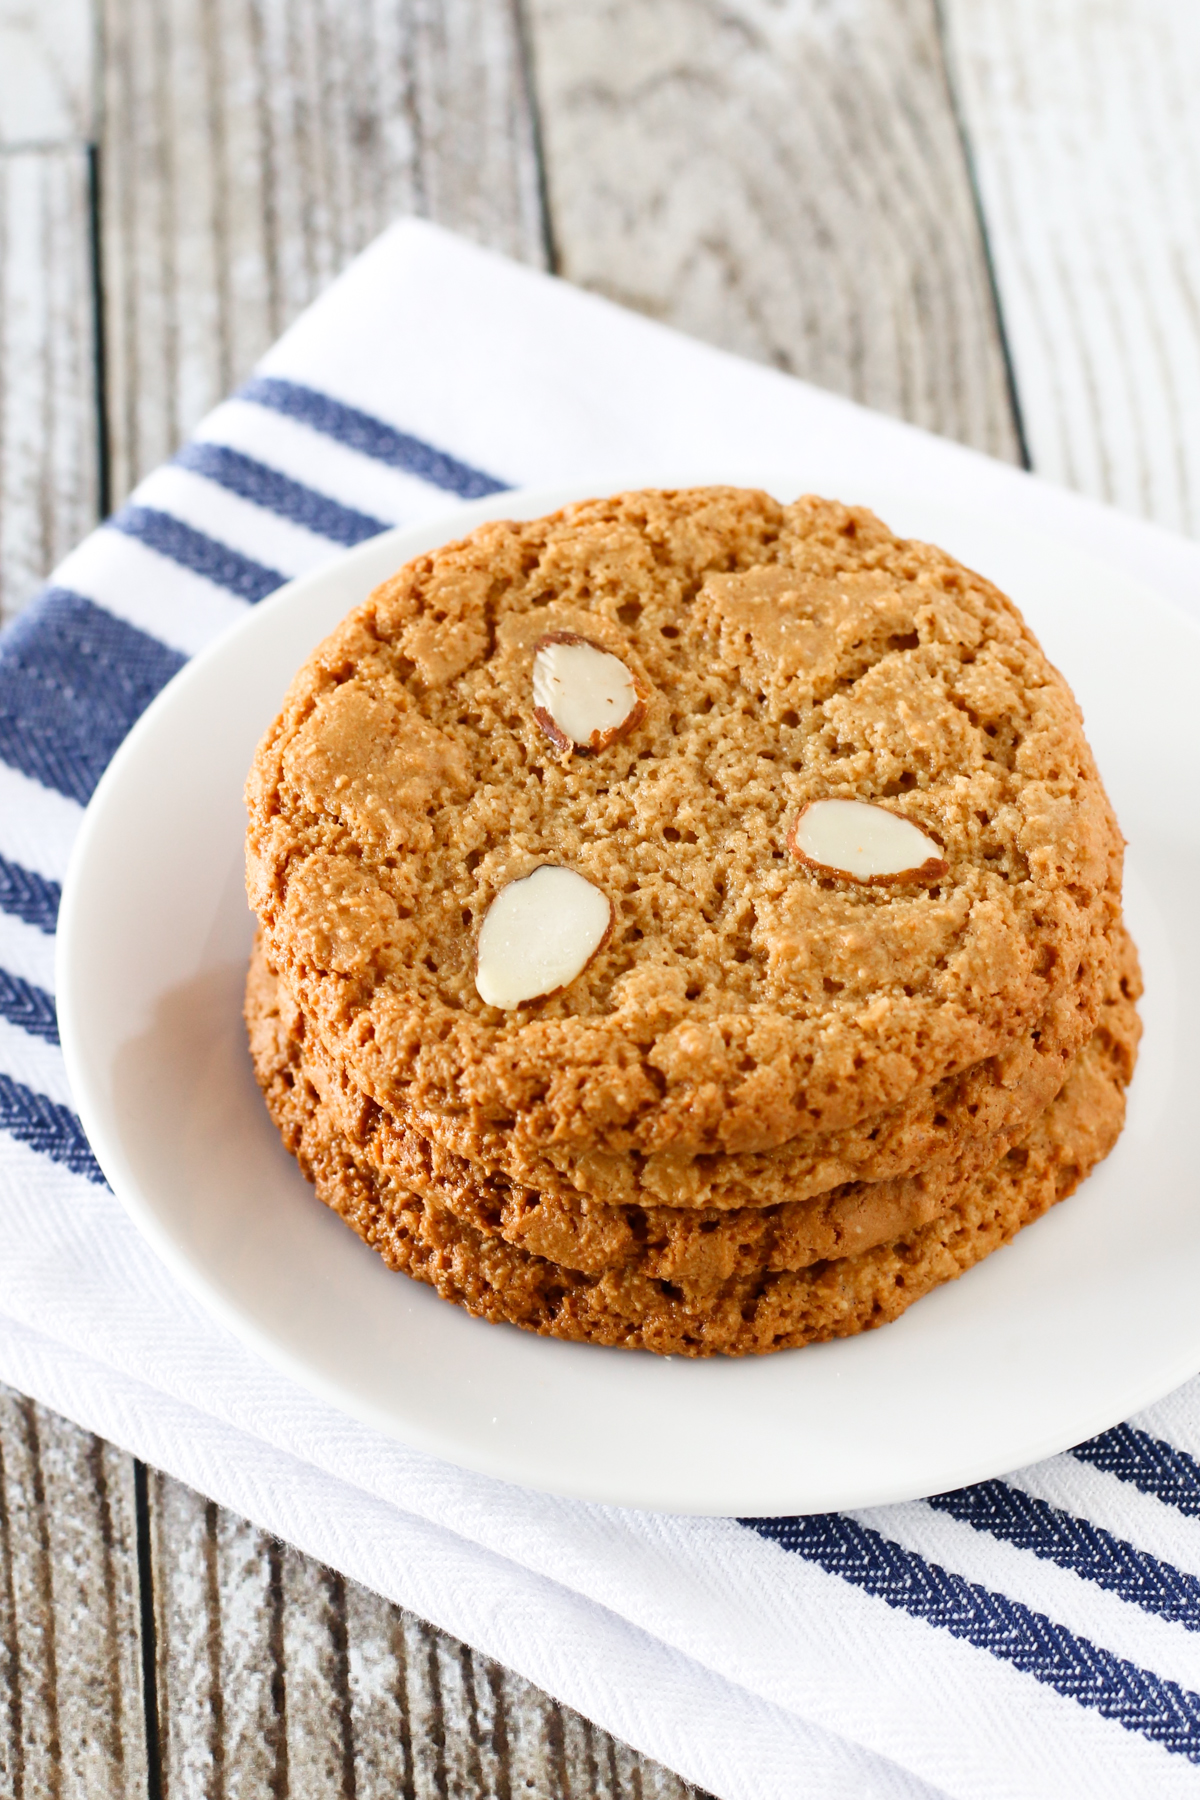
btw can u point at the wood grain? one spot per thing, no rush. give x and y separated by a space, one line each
251 147
71 1719
1086 137
48 424
785 180
277 1677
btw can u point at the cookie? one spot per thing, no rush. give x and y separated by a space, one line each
745 994
750 1313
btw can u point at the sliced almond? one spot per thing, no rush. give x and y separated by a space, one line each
539 933
864 843
584 697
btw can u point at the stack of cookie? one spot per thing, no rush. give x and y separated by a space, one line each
687 922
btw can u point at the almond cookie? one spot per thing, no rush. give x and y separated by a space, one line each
750 1313
739 958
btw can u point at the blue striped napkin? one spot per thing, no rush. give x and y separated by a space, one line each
1033 1636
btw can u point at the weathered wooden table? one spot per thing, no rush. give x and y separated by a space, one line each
982 215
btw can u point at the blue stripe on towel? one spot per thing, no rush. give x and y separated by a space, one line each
1081 1671
266 487
1076 1544
73 679
29 896
29 1007
370 436
46 1127
1148 1463
196 551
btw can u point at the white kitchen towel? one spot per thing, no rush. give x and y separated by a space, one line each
1033 1636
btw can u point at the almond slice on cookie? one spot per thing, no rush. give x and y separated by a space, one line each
539 933
584 697
862 842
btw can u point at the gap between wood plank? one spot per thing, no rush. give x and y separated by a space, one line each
989 261
145 1569
99 359
524 35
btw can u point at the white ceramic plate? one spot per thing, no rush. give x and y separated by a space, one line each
1089 1314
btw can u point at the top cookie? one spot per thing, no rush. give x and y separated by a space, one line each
744 994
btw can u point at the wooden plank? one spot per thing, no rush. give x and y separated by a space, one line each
786 181
45 71
251 147
277 1677
48 432
1084 129
71 1716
